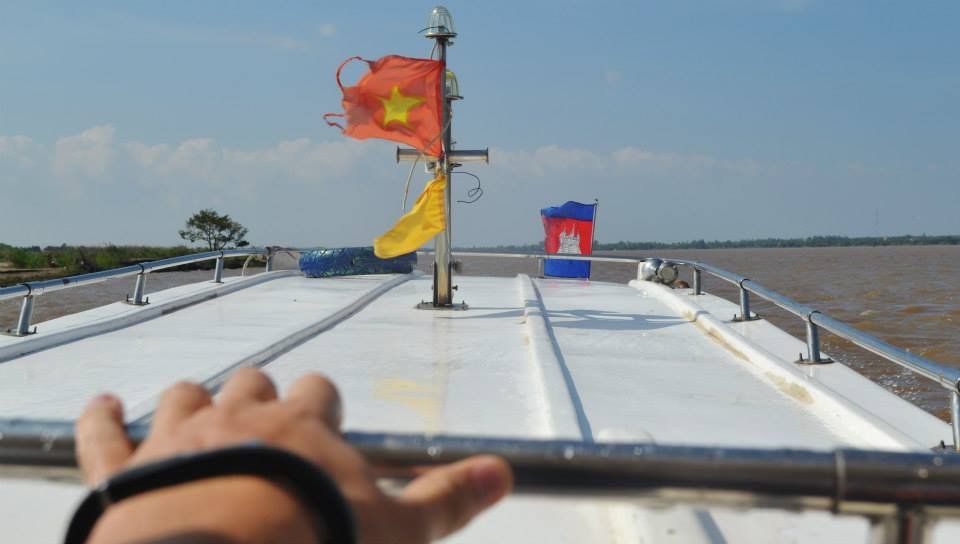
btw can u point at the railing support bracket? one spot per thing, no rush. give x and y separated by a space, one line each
218 270
23 322
955 418
814 357
137 299
270 252
745 313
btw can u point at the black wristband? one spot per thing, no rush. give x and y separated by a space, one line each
314 489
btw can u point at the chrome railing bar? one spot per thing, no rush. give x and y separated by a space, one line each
29 290
45 286
199 257
556 465
949 378
730 277
800 310
14 291
593 258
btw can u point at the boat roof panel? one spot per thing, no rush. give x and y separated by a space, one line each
530 358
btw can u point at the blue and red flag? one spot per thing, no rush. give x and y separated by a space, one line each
568 230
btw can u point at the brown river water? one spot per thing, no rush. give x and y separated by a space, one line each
908 296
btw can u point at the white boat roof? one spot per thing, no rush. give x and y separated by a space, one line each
529 358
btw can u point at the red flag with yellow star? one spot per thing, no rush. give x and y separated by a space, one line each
399 99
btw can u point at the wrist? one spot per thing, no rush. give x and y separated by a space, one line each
234 509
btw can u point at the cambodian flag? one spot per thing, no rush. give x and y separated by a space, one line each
568 230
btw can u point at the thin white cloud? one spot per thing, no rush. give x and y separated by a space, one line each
96 154
91 182
353 186
88 154
95 186
19 152
612 77
327 30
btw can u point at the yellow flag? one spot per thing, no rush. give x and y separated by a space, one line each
424 221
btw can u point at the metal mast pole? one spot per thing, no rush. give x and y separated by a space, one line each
593 224
442 281
440 28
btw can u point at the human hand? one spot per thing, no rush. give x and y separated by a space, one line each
245 509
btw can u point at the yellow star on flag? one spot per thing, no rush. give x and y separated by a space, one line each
398 106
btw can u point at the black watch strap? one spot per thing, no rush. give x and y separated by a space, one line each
308 483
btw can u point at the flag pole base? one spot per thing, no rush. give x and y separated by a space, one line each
424 305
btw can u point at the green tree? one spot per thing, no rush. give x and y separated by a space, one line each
218 231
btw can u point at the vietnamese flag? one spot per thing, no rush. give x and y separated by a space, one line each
399 99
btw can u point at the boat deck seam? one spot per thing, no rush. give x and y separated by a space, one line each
137 314
826 404
143 412
551 357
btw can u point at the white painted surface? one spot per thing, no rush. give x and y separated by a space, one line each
139 361
119 315
34 511
858 409
646 373
530 359
407 370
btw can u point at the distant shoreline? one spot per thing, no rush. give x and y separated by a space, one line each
79 259
22 264
812 241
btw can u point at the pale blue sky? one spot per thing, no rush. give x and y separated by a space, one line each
720 119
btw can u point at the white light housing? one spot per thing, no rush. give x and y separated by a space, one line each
440 24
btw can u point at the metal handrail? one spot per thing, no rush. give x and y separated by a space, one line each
45 286
946 377
593 258
31 289
847 481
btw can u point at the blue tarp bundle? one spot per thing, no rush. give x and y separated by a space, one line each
350 261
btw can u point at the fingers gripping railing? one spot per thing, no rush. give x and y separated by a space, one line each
899 492
31 290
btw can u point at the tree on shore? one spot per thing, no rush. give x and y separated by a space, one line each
218 231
